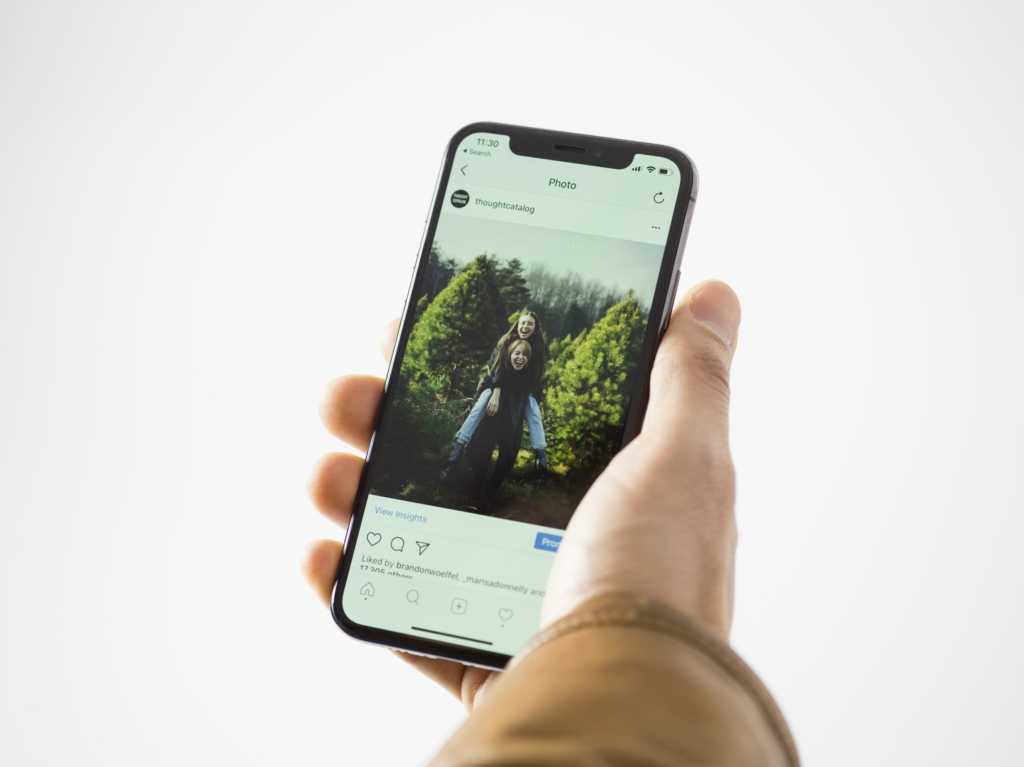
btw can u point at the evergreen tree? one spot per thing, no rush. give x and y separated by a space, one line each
450 344
556 347
440 271
512 284
576 319
589 386
562 352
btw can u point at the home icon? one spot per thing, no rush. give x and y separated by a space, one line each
367 590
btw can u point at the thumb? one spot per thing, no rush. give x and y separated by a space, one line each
689 395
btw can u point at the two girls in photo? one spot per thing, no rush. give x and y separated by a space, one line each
506 396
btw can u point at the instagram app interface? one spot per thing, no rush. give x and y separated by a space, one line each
512 392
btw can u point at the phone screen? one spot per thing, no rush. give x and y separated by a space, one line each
513 390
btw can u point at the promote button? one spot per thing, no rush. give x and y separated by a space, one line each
547 541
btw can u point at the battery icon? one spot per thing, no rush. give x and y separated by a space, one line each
665 171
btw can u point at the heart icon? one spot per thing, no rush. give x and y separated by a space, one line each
504 613
373 538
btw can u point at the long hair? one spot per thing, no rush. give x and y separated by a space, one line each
539 348
532 371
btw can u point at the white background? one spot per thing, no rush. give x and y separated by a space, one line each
208 209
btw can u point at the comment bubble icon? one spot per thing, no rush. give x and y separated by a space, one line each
398 544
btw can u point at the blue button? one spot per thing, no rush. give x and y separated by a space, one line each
547 541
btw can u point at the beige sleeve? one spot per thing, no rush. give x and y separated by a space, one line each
624 681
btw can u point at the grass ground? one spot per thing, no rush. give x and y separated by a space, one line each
519 498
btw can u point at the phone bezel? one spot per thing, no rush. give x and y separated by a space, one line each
532 142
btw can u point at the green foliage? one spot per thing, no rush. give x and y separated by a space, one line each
555 347
589 385
512 284
514 317
563 353
450 344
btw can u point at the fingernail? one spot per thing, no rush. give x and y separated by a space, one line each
716 307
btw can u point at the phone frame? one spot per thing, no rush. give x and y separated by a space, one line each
532 142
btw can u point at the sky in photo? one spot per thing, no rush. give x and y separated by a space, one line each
620 264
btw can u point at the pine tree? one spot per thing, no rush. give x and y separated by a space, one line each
512 284
562 351
450 344
589 387
556 347
440 271
576 319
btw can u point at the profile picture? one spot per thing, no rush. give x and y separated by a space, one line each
516 380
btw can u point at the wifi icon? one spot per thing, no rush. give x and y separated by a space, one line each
650 169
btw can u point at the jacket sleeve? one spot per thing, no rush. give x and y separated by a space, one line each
624 681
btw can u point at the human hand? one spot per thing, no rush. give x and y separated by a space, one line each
492 403
658 522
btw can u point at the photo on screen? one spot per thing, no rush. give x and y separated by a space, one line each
515 385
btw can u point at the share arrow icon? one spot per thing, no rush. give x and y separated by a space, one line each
422 545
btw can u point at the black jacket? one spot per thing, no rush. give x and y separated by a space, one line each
504 429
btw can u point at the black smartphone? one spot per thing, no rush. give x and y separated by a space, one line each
544 281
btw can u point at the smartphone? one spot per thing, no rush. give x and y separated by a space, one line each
544 281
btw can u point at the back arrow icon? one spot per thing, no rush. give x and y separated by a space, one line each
462 170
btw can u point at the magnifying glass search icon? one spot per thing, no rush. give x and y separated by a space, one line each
413 596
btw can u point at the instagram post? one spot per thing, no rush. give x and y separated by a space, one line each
516 380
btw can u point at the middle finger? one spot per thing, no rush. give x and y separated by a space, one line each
349 406
332 485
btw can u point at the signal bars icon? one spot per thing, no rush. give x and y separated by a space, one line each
651 169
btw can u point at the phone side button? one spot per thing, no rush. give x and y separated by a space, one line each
671 301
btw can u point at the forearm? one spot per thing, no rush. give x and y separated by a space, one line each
624 681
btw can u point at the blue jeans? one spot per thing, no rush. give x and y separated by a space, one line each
476 415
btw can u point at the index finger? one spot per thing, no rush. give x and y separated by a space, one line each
388 337
349 406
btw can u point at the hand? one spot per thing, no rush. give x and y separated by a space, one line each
492 403
657 523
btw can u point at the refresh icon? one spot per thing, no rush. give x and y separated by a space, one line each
659 197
